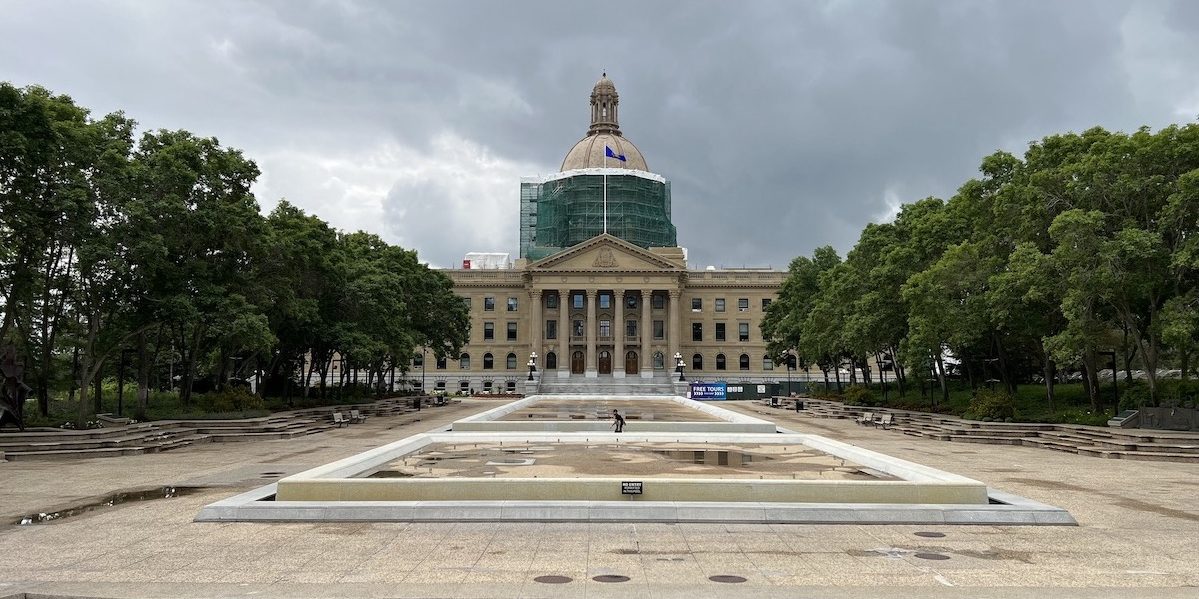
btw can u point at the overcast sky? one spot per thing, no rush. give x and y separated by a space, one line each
782 126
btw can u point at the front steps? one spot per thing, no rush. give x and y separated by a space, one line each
608 385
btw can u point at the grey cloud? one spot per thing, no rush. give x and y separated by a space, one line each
781 125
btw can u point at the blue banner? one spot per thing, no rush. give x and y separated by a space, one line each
704 391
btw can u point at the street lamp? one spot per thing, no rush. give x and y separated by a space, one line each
678 360
532 364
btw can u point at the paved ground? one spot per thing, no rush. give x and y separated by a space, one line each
1139 528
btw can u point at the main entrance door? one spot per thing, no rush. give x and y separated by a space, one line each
605 362
576 363
630 363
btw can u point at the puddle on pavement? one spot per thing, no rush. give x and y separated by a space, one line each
712 457
109 501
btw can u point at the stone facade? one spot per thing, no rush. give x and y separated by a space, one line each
584 311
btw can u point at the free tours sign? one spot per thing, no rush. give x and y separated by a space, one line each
709 391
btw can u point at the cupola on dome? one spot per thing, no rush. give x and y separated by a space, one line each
604 132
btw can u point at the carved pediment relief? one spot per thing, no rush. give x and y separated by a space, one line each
605 252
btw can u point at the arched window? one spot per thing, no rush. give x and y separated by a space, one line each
488 361
464 386
659 361
551 360
697 362
720 362
767 363
511 361
464 361
744 362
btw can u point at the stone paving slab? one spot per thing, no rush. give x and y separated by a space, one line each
1138 535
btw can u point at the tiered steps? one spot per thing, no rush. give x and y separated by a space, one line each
1128 444
165 435
606 385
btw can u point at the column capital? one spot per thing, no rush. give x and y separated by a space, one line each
675 292
592 293
618 292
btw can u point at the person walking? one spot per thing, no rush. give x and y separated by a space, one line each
617 421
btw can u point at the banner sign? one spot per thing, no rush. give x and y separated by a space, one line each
708 390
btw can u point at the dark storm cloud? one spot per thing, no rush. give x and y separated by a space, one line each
783 126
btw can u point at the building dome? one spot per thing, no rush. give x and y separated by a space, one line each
589 153
604 132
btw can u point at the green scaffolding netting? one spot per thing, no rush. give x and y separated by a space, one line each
563 212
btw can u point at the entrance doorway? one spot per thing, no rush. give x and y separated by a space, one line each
630 363
605 362
576 363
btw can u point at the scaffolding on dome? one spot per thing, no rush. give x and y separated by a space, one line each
563 212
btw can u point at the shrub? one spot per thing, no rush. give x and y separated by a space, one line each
990 405
233 399
1134 396
858 395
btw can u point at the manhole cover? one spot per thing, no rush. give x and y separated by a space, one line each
553 579
933 556
610 578
726 578
930 535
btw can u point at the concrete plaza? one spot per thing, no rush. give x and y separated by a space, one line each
1138 533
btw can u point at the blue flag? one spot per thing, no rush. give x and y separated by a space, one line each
610 154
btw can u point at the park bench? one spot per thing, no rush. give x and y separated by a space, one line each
356 416
340 420
885 421
866 418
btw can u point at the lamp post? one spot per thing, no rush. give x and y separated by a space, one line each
422 371
532 364
678 360
1115 381
787 357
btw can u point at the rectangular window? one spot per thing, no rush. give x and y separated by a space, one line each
605 328
466 302
720 331
551 329
418 360
576 328
720 304
630 301
605 301
765 303
630 328
439 385
512 331
767 363
488 331
489 304
511 304
697 304
697 331
743 331
441 363
659 329
743 304
576 300
551 302
659 302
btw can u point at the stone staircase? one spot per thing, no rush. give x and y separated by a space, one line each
164 435
660 384
1118 443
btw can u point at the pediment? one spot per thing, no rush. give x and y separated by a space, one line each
604 253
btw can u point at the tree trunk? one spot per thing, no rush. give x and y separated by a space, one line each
1001 353
143 376
1091 378
837 375
1048 368
940 362
98 394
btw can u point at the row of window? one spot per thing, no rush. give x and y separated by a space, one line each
578 300
604 328
697 331
509 386
697 362
551 362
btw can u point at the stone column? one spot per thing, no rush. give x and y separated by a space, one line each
672 319
618 334
589 326
536 336
563 333
647 333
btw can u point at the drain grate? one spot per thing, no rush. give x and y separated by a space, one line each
553 579
727 578
610 578
932 556
930 535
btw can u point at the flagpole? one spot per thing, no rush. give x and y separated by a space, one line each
605 190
